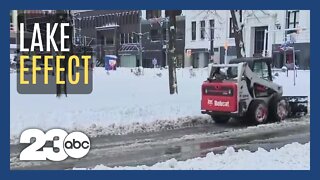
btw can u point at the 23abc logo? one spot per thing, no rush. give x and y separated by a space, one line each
75 145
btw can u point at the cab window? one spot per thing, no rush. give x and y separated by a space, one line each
261 69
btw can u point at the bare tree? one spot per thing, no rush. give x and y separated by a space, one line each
237 25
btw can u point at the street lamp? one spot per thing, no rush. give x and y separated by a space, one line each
140 43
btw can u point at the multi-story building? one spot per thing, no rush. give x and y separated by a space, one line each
28 17
264 31
155 42
118 32
109 32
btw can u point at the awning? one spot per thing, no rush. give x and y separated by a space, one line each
129 47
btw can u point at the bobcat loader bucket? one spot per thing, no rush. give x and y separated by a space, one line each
298 105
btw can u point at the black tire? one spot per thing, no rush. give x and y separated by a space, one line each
258 112
220 119
278 109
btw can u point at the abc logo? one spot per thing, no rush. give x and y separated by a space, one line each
75 145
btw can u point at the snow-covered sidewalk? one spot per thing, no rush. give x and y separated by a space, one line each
293 156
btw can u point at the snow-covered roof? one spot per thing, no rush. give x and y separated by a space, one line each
112 56
108 26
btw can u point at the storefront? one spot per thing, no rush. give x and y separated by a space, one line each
129 55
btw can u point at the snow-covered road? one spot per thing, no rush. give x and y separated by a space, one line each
231 159
182 144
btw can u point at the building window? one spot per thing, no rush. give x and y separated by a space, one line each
211 29
202 29
193 30
96 21
155 35
125 38
231 30
120 20
292 19
135 38
109 40
137 17
99 21
122 41
105 20
131 18
102 21
179 32
123 19
113 19
82 23
128 19
87 22
92 22
259 40
153 14
130 38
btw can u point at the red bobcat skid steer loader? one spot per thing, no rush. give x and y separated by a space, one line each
244 89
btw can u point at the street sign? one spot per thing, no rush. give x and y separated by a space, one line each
154 61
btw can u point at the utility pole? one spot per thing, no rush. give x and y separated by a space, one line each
140 35
140 39
71 21
172 59
164 43
167 40
140 48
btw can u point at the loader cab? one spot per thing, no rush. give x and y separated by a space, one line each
227 73
261 66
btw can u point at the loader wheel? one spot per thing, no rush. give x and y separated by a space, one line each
258 112
278 108
220 119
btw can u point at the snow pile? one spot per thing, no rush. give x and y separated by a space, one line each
154 126
293 156
118 99
302 87
122 102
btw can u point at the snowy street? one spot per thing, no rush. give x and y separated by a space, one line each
182 144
